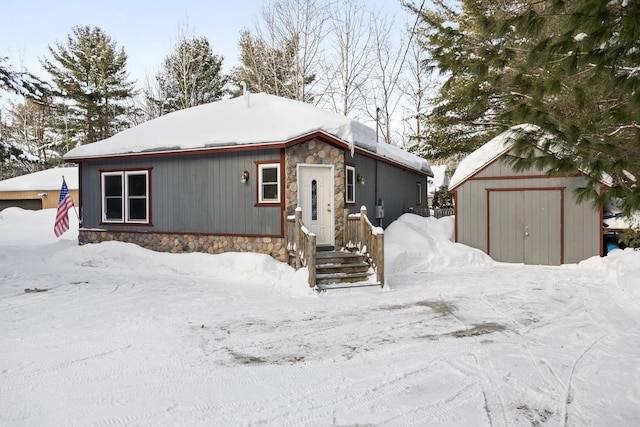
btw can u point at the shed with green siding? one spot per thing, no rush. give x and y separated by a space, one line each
522 216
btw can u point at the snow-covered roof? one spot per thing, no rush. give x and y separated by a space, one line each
253 119
50 179
495 148
486 154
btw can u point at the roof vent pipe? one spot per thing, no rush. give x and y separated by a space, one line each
245 92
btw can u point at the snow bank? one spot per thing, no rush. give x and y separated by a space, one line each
20 227
416 243
623 266
251 267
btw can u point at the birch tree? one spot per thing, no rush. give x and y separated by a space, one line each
281 55
350 47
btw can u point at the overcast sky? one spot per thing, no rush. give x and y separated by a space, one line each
147 29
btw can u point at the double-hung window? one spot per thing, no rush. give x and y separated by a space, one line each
125 196
350 172
268 183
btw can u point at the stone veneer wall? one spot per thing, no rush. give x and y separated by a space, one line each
316 152
178 243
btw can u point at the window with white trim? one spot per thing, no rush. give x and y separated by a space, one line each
125 196
269 183
350 176
418 193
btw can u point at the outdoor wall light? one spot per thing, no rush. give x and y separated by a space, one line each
42 194
360 179
245 177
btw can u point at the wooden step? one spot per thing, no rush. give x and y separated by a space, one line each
339 257
361 267
329 286
342 277
340 269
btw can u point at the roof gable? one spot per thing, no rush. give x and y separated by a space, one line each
491 152
480 158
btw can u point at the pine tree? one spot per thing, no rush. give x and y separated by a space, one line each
267 69
191 75
581 87
568 66
90 72
466 109
21 83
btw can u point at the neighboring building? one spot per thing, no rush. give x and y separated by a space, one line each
222 176
38 190
440 179
525 217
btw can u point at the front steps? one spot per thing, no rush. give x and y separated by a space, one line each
342 269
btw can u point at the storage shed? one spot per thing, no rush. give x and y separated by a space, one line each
38 190
522 217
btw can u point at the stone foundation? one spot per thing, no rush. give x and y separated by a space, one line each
181 243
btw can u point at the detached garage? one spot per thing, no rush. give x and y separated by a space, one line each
523 217
38 190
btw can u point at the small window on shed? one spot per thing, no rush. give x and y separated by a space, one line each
418 193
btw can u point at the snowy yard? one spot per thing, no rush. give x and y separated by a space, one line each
125 336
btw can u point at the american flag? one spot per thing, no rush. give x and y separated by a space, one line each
65 202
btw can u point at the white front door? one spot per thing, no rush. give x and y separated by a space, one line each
315 197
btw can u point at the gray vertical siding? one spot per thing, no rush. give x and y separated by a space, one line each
395 186
581 227
202 194
192 194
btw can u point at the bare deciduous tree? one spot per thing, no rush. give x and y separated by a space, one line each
281 54
350 47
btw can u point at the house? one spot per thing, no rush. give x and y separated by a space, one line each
38 190
524 217
440 179
225 176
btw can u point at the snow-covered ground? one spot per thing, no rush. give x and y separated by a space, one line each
124 336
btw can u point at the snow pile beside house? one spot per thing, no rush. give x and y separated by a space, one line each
20 227
423 243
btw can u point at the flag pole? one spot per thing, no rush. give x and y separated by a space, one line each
74 205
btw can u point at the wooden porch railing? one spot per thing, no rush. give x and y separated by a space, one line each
301 244
360 234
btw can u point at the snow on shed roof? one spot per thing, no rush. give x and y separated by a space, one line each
495 148
486 154
251 119
49 179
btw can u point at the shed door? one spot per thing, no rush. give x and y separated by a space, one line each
315 197
525 226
